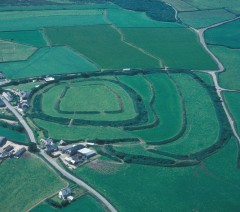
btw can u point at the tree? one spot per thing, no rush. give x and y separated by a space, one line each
32 147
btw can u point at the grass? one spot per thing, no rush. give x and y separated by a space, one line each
233 101
225 35
33 20
78 133
105 49
43 62
128 18
33 38
180 5
209 186
230 60
25 182
203 18
177 47
51 96
14 135
86 203
10 51
91 97
25 87
202 123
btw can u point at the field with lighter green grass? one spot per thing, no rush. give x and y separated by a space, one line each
180 5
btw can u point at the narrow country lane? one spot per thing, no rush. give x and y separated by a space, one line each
54 163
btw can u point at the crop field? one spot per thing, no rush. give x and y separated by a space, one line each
177 47
180 5
10 51
108 47
33 38
233 102
230 59
43 62
86 203
26 178
226 35
171 186
203 18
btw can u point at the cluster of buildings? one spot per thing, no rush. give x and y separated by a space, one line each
65 194
7 150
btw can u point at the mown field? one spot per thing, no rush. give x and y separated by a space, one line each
86 203
25 182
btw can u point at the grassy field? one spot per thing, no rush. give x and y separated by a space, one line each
10 51
86 203
14 135
26 86
107 49
33 20
203 18
43 62
202 124
177 47
230 59
169 188
225 35
91 97
180 5
233 101
33 38
25 182
129 18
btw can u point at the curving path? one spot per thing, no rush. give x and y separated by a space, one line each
54 163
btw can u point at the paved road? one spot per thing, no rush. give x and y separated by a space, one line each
54 163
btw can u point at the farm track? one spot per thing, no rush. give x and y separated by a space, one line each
213 74
55 164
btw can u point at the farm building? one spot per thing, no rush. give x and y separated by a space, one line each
2 76
3 141
64 193
87 152
49 79
20 152
4 155
75 159
47 141
51 148
2 104
73 150
8 96
24 95
8 148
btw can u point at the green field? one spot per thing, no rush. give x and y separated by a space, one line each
43 62
33 20
85 203
207 187
177 47
233 101
14 135
180 5
33 38
10 51
225 35
25 182
203 18
107 49
230 59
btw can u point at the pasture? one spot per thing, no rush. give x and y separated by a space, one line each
180 5
176 47
29 181
203 18
43 62
104 49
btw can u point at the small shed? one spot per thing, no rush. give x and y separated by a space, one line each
3 141
8 148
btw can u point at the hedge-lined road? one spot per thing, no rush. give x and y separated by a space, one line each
54 163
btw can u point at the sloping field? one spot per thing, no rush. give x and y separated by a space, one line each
25 182
33 20
177 47
169 188
10 51
180 5
54 60
203 18
105 49
33 38
225 35
129 18
230 59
